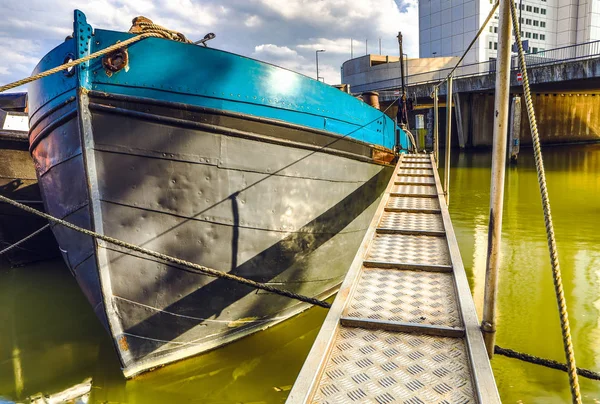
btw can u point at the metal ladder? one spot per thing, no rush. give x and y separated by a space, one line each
403 326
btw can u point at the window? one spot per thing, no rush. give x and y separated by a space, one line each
542 24
491 29
495 45
536 23
534 50
535 36
495 30
528 35
490 45
522 20
542 37
541 50
536 10
543 11
528 8
528 21
522 7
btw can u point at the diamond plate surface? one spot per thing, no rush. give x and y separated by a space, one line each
416 172
409 249
412 221
415 180
371 366
414 189
415 165
402 202
405 296
416 160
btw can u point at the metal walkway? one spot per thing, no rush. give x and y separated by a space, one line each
403 327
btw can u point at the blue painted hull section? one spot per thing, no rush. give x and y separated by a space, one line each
177 72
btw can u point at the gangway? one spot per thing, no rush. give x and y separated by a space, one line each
403 327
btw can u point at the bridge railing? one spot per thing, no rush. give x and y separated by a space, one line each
586 50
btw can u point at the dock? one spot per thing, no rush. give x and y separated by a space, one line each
403 327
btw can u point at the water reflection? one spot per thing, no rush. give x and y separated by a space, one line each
51 341
528 319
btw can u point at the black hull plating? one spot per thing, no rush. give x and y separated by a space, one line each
262 199
18 182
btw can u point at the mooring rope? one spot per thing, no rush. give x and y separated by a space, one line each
189 266
76 62
539 165
412 140
147 29
24 239
141 26
549 363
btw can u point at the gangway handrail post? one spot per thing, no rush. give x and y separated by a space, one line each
436 140
488 324
448 139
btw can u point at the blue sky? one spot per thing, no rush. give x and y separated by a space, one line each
283 32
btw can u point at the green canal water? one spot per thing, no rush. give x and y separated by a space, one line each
50 339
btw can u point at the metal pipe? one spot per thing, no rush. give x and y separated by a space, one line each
448 137
488 324
401 62
317 58
436 144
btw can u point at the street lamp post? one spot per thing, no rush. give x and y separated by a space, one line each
317 58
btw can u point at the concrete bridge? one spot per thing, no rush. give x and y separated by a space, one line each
565 84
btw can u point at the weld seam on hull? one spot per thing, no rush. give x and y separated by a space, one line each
192 317
193 218
75 210
50 127
232 114
115 150
58 163
175 356
35 122
239 133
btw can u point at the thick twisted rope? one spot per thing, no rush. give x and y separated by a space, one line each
187 266
24 239
556 274
79 61
144 25
549 363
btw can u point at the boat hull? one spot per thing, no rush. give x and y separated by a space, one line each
266 200
18 182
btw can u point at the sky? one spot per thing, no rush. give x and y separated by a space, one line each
283 32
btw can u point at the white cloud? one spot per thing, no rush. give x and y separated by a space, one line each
281 32
274 51
330 45
253 21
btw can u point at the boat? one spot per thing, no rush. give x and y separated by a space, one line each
211 157
18 181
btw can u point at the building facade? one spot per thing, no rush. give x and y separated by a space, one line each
447 27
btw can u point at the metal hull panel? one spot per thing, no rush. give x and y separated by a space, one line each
18 181
274 211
